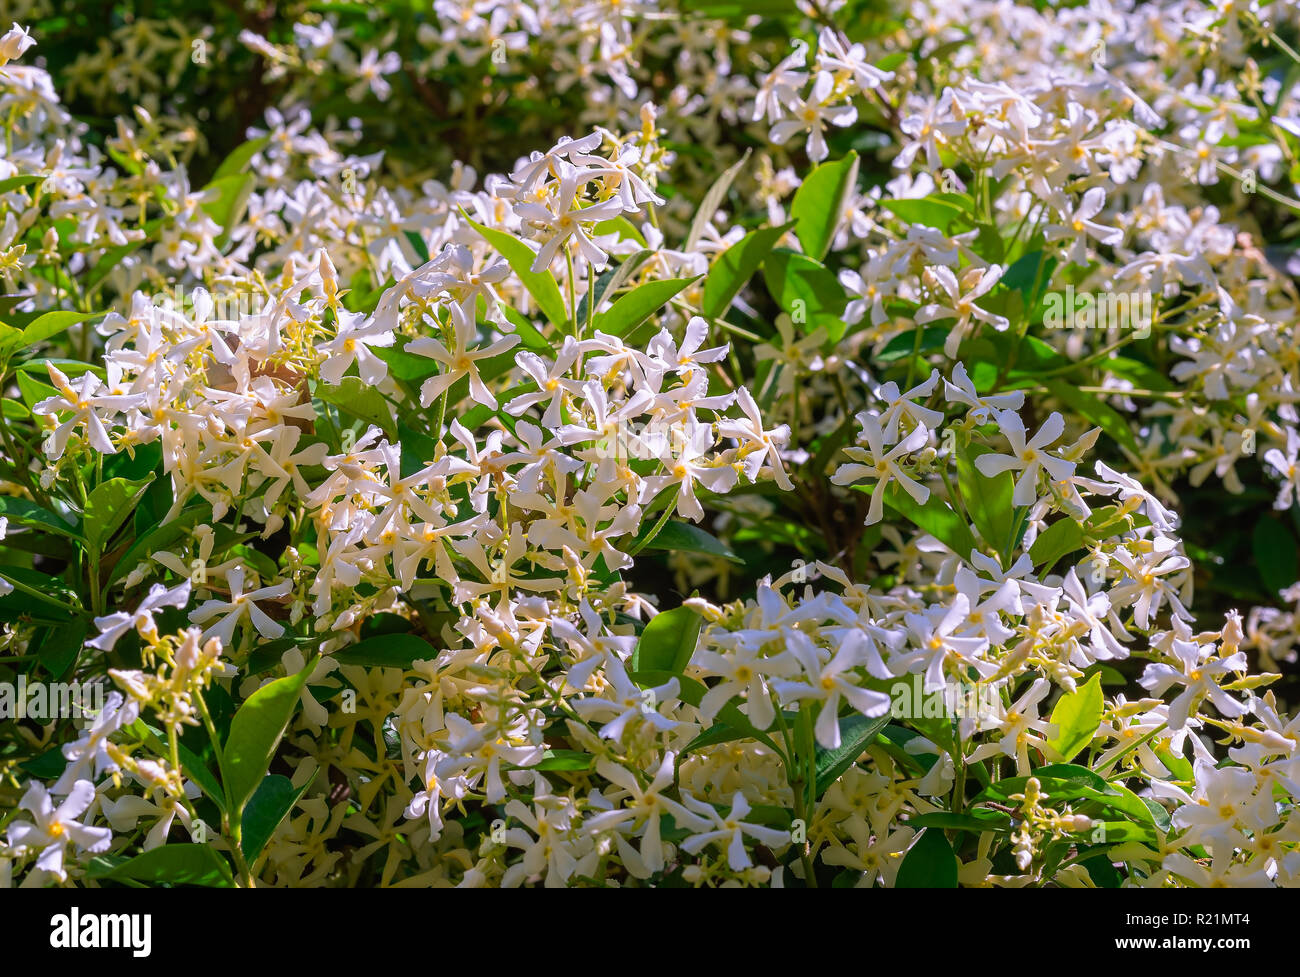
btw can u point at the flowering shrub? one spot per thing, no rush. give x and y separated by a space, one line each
821 458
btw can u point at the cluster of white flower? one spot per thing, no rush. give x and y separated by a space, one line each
412 440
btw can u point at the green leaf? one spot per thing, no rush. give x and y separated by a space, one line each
240 157
1109 521
818 205
902 345
1030 276
565 760
1274 549
174 864
47 766
715 734
358 398
255 733
739 11
668 641
928 864
856 733
387 651
638 305
108 507
609 281
1061 781
688 538
733 268
1061 537
60 647
540 285
157 539
232 195
1076 717
418 246
940 211
1120 832
1141 375
406 366
50 325
1024 359
33 390
270 804
712 201
1103 873
807 291
50 603
987 500
936 517
975 821
14 182
27 513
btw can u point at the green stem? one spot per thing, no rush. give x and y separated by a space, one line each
663 520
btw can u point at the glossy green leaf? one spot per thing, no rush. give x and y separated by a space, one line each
173 864
541 285
50 324
270 804
358 398
108 506
734 267
24 180
387 651
818 206
232 193
688 538
1274 549
940 211
1076 716
255 733
1061 537
987 500
571 760
27 513
668 641
807 291
240 156
936 517
928 864
856 733
635 307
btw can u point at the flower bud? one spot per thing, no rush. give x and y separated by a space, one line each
13 43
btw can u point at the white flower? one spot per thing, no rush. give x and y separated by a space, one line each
1027 458
53 828
875 462
232 611
13 43
960 305
113 626
961 390
729 831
